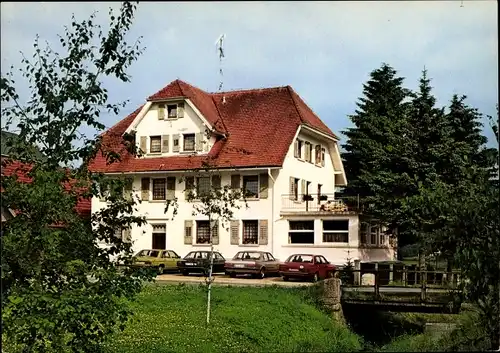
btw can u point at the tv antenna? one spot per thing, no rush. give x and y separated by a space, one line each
219 45
462 3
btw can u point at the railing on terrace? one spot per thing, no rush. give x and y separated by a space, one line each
328 203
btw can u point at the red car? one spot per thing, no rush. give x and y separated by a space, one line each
308 266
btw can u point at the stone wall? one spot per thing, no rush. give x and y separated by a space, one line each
331 294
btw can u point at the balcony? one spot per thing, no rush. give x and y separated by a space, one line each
324 204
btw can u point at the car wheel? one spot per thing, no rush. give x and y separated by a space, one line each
160 270
185 273
232 274
285 278
261 274
315 277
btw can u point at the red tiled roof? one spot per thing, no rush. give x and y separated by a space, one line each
83 205
259 125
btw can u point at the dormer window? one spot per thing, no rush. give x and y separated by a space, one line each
172 111
189 142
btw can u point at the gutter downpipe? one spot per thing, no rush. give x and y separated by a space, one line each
272 211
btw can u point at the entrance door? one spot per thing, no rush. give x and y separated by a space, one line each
159 236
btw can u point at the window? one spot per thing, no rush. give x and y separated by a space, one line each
374 232
301 258
188 142
202 232
155 144
172 110
336 231
300 143
271 257
203 186
250 232
251 186
176 143
363 232
159 237
301 232
159 192
247 255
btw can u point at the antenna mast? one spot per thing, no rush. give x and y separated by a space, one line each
219 44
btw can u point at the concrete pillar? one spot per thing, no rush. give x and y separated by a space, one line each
357 272
391 273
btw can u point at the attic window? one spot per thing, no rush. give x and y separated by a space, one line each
189 142
172 111
155 144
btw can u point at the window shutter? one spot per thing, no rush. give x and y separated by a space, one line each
188 232
235 232
263 232
303 187
180 110
308 152
216 181
235 181
145 189
323 157
175 137
161 111
170 188
214 225
189 186
317 151
292 188
165 142
102 192
296 149
264 186
127 189
144 141
199 141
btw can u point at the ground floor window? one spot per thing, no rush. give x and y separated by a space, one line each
159 236
336 231
202 232
301 232
250 232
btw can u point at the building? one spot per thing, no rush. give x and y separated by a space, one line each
265 141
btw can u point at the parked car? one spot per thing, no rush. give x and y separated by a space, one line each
256 263
308 266
199 261
162 260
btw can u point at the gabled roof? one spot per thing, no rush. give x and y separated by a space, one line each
259 125
7 136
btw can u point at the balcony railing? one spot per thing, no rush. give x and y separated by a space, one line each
328 203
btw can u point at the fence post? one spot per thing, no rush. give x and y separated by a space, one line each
391 273
357 272
423 292
405 275
377 285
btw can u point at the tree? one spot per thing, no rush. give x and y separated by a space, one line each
372 159
61 291
217 203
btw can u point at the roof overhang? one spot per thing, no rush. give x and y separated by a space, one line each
200 170
318 132
138 118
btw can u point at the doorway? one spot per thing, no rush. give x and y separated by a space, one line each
159 236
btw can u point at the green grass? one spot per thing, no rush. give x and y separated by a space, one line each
171 318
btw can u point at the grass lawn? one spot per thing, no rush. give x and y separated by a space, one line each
244 319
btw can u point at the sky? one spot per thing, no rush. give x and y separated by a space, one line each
324 50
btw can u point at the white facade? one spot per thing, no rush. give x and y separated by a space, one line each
269 217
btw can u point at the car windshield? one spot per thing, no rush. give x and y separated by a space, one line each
247 255
196 255
301 258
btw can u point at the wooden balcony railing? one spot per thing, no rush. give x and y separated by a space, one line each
327 203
